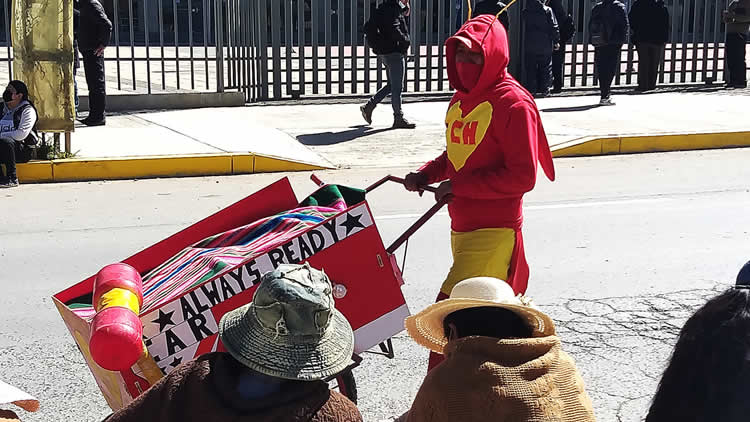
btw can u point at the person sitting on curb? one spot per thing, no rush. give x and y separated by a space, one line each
17 131
503 361
708 376
280 348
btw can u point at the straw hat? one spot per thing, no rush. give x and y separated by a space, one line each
426 327
291 329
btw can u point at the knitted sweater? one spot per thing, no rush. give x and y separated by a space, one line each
205 390
521 380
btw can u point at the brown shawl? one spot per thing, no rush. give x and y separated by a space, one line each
520 380
204 390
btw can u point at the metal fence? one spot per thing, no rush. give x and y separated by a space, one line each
271 49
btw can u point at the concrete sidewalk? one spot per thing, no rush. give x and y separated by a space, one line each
295 137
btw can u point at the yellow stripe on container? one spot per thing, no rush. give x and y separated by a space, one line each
119 297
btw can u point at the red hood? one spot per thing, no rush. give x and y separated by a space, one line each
489 33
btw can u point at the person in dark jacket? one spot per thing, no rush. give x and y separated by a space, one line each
649 23
93 38
542 37
737 19
493 7
608 30
567 30
388 35
280 347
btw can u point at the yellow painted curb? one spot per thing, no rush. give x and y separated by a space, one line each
37 171
81 169
651 143
267 164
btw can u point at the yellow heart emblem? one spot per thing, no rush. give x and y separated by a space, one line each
463 134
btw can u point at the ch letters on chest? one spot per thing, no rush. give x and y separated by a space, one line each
464 133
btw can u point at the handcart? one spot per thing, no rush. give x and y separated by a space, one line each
179 315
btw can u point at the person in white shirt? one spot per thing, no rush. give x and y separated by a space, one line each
17 131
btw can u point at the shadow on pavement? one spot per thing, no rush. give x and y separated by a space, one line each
332 138
569 109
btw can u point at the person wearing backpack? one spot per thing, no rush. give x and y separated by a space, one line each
567 30
387 34
649 22
17 131
542 38
608 29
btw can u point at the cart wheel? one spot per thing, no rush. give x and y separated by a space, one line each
346 385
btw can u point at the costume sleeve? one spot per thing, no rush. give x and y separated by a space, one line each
517 175
28 118
437 169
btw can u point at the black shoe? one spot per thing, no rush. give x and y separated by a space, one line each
12 183
367 113
402 123
741 85
91 122
556 90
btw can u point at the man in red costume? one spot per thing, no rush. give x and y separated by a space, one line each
494 138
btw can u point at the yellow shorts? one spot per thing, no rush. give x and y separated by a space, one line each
483 252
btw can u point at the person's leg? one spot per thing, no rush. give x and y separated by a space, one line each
545 74
558 60
643 66
396 69
598 67
8 157
731 51
655 58
610 62
379 96
94 67
530 74
739 69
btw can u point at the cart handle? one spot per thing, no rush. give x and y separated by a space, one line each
417 224
390 178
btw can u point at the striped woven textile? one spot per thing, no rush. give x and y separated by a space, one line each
207 258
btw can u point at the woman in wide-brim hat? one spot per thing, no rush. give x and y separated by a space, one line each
503 360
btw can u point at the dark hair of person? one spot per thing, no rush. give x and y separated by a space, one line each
487 321
20 88
708 376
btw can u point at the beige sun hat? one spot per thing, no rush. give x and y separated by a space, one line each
426 327
291 329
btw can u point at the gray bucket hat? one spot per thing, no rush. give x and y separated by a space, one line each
291 329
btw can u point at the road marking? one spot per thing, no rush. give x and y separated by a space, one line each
544 207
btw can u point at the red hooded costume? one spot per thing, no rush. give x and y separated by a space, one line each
494 140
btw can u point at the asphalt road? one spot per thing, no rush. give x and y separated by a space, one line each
622 250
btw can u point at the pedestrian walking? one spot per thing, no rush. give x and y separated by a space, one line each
94 34
494 142
608 29
649 23
493 7
387 35
737 18
567 30
17 131
542 38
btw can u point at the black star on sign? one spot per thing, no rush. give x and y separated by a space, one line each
176 361
164 320
352 222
